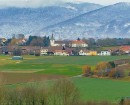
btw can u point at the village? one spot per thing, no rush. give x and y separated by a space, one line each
59 48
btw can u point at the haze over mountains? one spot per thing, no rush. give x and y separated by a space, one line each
69 20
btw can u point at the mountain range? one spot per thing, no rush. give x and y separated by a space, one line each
69 20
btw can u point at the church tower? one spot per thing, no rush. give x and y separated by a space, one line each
52 40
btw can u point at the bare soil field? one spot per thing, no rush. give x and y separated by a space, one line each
16 78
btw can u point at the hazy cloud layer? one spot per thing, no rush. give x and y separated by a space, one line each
104 2
41 3
28 3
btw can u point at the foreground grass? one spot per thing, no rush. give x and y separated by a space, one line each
91 89
102 89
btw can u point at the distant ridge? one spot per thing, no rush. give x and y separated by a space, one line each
109 21
32 20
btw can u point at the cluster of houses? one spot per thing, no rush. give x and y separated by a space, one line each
59 48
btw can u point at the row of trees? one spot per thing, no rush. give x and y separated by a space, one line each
103 69
38 41
93 43
32 41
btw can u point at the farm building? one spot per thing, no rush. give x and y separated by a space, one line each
125 49
78 43
17 58
61 53
87 52
105 53
55 50
92 53
83 52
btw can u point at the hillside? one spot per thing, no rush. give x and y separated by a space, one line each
32 20
109 21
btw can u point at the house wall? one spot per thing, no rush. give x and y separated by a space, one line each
82 53
43 52
105 53
79 45
61 54
92 53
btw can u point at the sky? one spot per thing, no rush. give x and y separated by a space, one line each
41 3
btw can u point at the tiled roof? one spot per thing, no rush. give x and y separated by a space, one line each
125 48
78 42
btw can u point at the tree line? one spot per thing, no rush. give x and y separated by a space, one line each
93 43
107 42
32 41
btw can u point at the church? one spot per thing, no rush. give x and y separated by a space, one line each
56 43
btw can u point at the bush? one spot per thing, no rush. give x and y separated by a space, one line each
64 92
86 70
102 69
112 64
115 73
37 54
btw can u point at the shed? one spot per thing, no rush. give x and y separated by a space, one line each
17 58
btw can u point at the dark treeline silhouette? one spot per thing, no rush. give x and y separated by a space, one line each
107 42
38 41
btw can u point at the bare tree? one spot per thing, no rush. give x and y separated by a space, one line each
64 92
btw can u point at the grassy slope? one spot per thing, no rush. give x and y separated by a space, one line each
92 89
102 89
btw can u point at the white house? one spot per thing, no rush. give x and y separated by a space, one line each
43 51
105 53
82 53
78 43
61 53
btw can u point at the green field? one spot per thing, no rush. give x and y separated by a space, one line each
102 89
93 89
90 88
69 66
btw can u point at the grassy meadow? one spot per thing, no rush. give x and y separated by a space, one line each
34 70
69 66
91 89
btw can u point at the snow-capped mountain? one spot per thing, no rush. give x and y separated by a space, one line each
109 21
32 20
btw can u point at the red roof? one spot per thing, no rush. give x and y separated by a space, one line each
125 48
78 42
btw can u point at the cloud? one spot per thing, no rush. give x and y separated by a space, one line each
41 3
28 3
104 2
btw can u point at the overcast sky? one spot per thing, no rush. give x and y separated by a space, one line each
40 3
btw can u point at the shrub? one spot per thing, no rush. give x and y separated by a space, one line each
86 70
115 73
37 54
102 69
112 64
64 92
